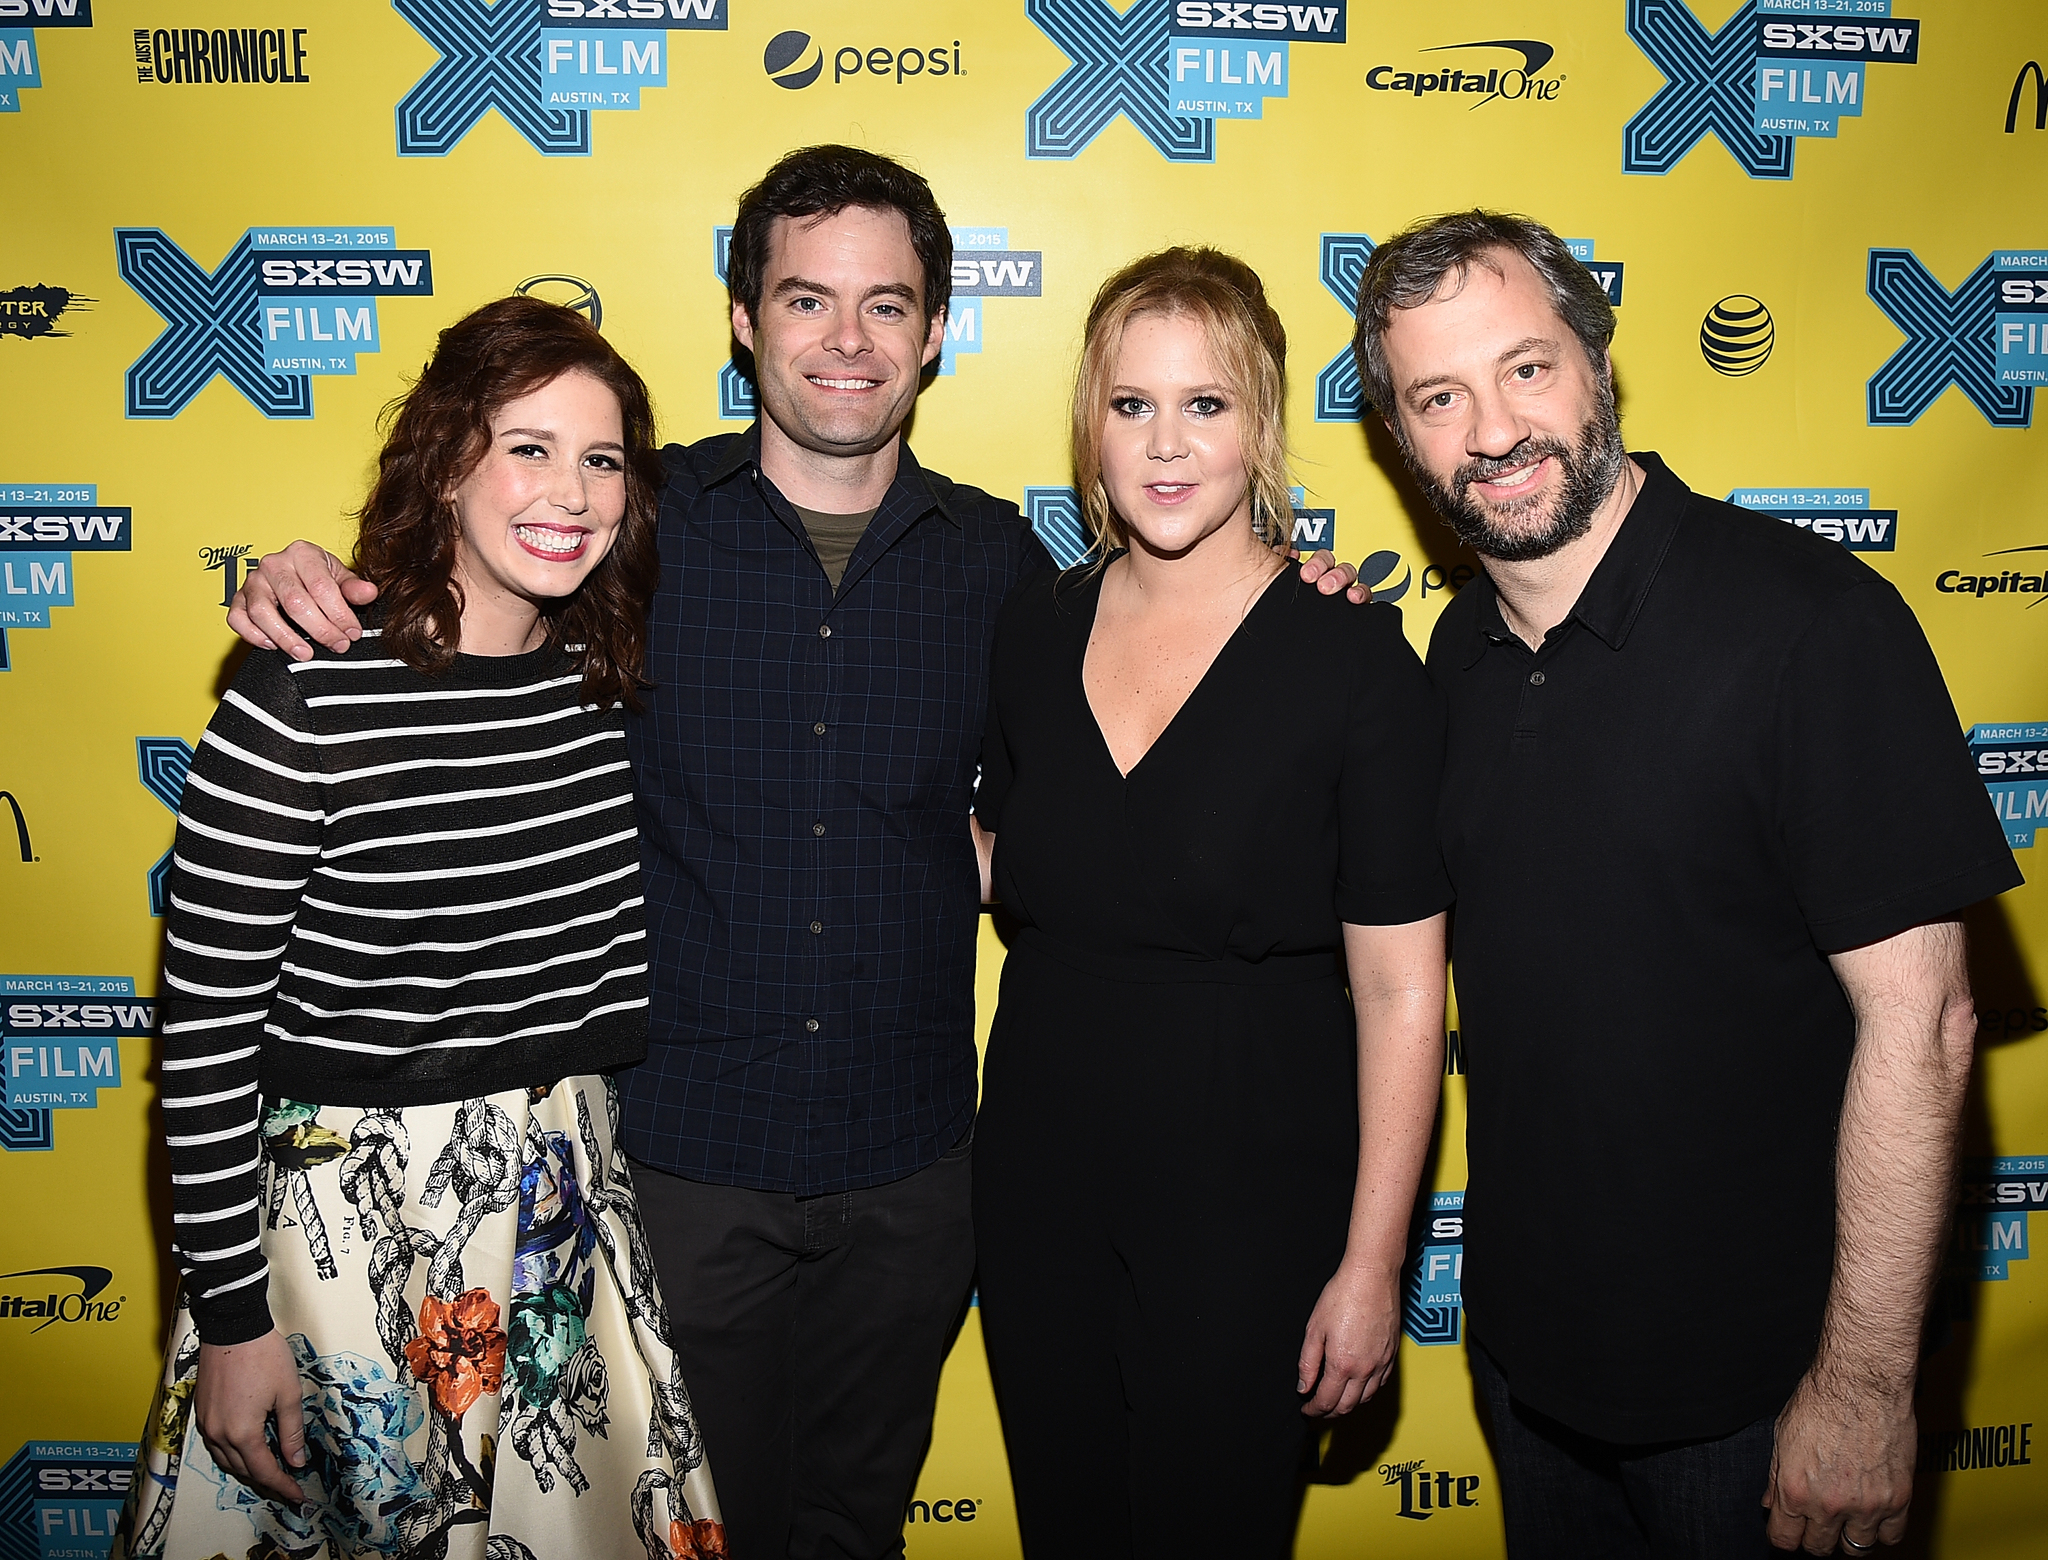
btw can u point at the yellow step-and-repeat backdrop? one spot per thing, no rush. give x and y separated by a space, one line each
232 227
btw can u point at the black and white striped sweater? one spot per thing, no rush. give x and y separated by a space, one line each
388 889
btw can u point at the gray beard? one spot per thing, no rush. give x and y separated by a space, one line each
1590 467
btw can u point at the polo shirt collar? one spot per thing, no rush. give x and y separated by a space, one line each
1614 596
913 493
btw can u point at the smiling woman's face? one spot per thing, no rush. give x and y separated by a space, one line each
1172 455
543 506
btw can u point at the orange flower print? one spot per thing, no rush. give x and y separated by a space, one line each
460 1351
703 1540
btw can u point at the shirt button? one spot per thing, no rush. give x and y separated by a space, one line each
824 630
819 729
818 829
817 926
1536 679
811 1024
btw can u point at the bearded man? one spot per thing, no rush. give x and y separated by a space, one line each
1711 822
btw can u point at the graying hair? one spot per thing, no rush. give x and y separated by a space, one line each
1406 271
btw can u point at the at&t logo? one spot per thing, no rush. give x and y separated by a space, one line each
1737 335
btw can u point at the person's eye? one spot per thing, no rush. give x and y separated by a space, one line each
1527 371
892 311
806 305
529 451
1208 406
1439 401
605 462
1129 406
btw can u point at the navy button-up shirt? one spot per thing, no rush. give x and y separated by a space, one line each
805 766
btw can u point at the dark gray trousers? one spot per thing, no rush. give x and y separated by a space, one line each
811 1332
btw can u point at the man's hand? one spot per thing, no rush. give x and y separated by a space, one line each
1842 1468
306 586
1353 1336
241 1388
1328 575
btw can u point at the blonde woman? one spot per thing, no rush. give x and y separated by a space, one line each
1198 1150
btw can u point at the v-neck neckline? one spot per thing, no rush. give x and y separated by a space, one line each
1222 650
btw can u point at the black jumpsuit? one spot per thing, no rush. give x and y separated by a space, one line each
1169 1132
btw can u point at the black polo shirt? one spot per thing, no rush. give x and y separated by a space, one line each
1735 756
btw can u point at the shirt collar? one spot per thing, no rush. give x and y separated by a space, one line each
1613 598
914 493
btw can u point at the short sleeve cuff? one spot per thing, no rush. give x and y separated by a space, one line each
1930 902
1393 905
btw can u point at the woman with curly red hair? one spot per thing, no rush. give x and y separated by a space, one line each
404 946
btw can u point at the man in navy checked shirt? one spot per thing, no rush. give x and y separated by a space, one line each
805 769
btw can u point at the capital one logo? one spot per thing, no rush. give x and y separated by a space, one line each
1772 74
1983 338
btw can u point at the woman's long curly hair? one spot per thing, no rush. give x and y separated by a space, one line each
438 432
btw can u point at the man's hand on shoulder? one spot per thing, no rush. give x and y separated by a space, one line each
1328 575
1842 1470
304 587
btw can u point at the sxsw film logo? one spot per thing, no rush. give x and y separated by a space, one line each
19 22
1998 1197
1424 1493
1488 82
1776 71
1988 338
1840 514
1342 258
162 764
544 65
60 1044
1432 1300
284 306
62 1498
41 525
2012 761
984 267
1171 67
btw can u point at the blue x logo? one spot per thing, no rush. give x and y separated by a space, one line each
1119 68
1707 90
1340 397
213 330
1950 340
163 763
490 58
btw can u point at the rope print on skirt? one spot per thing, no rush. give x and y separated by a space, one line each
483 1346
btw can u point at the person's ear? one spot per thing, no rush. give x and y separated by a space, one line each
742 325
935 336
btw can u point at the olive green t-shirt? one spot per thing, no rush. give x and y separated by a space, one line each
835 537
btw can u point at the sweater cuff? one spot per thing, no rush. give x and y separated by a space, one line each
233 1318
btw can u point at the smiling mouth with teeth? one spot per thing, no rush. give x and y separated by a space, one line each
843 384
547 539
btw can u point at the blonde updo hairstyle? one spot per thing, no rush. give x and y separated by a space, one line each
1248 346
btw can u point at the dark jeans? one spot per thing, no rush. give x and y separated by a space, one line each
1567 1496
811 1332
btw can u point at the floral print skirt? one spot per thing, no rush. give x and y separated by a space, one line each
483 1346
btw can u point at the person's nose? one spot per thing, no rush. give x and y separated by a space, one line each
1497 426
848 334
569 490
1165 437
